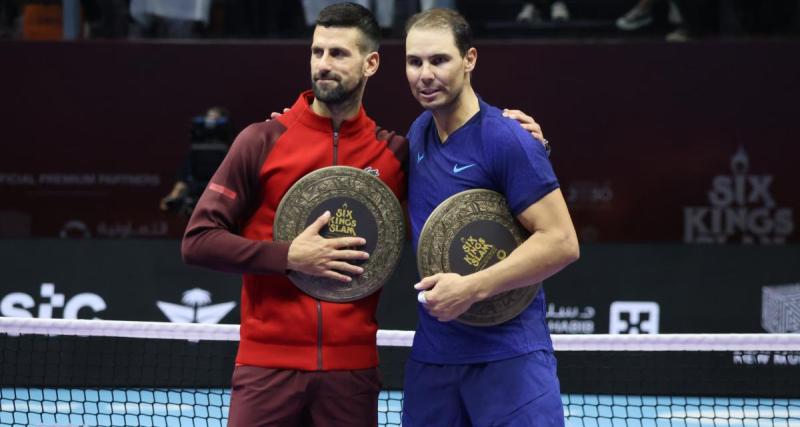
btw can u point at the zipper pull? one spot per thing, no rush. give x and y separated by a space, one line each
335 147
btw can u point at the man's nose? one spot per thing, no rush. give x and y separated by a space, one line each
426 73
325 62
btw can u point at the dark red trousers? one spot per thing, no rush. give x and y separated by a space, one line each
281 397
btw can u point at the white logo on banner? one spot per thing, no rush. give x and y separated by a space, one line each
741 206
570 319
195 308
780 308
634 317
19 304
81 179
123 229
74 229
589 192
777 358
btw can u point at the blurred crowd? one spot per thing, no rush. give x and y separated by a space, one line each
676 20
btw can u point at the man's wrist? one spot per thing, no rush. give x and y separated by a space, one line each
480 288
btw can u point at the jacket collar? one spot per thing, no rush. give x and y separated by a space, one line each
307 116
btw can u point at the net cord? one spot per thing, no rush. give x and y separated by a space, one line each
397 338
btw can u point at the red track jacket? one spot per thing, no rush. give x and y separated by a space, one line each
231 230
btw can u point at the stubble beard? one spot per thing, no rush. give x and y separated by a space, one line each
338 95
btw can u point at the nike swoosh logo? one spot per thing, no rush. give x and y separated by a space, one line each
457 169
420 156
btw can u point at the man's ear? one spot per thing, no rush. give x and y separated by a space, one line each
471 59
371 62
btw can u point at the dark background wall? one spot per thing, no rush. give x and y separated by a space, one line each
642 131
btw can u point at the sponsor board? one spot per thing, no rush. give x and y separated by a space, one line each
570 319
51 304
741 209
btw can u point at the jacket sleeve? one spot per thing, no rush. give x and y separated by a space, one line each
212 237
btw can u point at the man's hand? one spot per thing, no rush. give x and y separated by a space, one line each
315 255
178 190
447 295
526 122
274 115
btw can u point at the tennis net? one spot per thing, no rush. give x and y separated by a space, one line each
116 373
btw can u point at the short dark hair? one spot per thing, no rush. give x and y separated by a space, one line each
444 19
352 15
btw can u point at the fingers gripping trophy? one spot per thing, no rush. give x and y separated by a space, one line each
353 210
468 232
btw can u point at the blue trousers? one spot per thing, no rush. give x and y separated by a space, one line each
519 392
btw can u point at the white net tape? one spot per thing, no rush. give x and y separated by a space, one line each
394 338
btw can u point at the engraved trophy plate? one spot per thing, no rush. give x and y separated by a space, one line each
468 232
361 205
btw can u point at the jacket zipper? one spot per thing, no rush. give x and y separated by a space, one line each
319 335
319 303
335 147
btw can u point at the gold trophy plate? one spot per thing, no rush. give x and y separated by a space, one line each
469 232
360 205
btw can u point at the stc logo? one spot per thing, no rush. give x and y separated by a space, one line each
633 317
19 304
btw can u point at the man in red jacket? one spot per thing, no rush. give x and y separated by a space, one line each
301 360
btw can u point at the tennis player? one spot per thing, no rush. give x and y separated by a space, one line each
460 375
